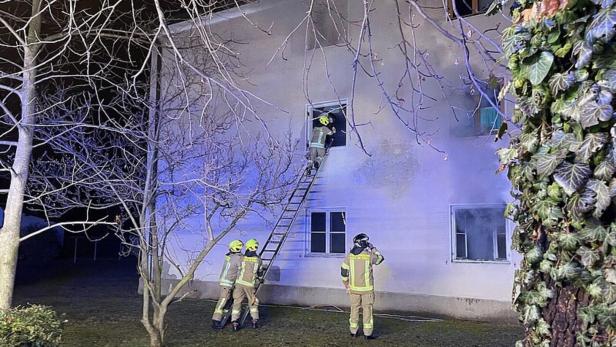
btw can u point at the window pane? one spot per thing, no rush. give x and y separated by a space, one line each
464 7
337 221
460 246
317 242
501 242
337 242
481 225
317 221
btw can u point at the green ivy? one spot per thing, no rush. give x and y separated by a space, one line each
562 59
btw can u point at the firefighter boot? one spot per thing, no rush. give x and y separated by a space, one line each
255 324
215 324
236 326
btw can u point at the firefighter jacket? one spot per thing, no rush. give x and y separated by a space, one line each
318 136
356 270
250 269
230 269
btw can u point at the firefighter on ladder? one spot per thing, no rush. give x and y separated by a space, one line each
245 286
357 277
229 273
317 142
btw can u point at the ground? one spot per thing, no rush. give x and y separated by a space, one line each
102 308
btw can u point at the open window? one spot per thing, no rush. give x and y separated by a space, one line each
337 111
479 233
467 7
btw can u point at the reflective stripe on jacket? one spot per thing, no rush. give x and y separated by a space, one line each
250 270
356 270
318 136
230 269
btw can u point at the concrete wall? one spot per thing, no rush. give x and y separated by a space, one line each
400 194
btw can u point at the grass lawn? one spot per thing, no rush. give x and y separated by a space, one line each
103 309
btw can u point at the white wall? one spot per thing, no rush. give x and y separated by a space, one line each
401 193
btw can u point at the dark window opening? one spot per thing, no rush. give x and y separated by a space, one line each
337 114
480 233
468 7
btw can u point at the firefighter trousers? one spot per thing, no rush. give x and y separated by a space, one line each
365 301
239 293
316 157
225 295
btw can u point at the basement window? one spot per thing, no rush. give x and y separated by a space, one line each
327 232
479 233
337 112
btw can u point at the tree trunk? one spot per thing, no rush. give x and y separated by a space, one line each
9 234
561 315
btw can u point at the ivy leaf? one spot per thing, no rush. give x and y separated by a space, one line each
531 314
593 233
545 163
610 275
584 53
566 141
515 38
581 203
602 196
507 155
613 188
591 112
568 241
572 176
605 170
561 82
540 67
602 26
588 257
609 80
591 144
529 141
610 239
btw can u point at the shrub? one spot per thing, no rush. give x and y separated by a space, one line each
31 326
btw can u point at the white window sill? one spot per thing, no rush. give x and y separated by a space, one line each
481 261
324 255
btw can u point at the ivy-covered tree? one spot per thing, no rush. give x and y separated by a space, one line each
562 57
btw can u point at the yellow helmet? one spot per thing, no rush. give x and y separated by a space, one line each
252 245
236 246
324 119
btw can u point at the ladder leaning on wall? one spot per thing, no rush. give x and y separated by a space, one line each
279 233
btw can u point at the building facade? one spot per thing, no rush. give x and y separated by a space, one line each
421 182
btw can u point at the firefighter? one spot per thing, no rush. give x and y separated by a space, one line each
357 277
245 286
229 273
317 142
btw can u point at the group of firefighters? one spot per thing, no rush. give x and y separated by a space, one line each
241 274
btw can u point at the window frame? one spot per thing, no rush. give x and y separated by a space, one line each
453 235
474 10
328 232
308 120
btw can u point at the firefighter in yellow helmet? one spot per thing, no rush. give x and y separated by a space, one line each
228 276
356 272
317 142
245 286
